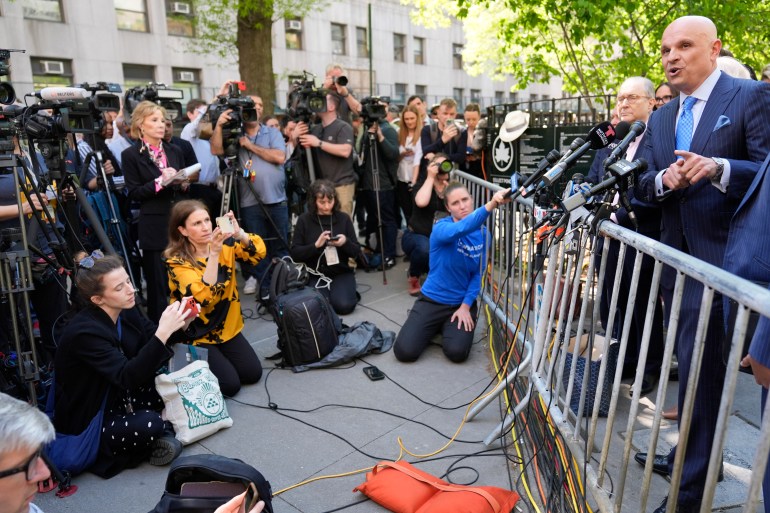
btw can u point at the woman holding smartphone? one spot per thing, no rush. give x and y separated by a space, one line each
201 263
325 240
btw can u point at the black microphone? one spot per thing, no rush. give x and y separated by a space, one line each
598 137
549 160
621 171
636 128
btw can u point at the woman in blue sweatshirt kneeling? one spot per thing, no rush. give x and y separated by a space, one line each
447 304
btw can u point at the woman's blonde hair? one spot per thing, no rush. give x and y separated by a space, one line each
142 111
403 131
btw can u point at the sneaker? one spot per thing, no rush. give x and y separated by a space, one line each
389 262
414 286
250 287
165 450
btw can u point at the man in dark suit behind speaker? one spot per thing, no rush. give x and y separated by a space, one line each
703 150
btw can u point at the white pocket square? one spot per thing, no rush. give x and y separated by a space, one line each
721 122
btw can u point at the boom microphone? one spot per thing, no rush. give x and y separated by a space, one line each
636 128
598 137
62 93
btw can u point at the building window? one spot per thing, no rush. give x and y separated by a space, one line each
179 19
399 93
422 92
457 94
137 75
189 81
339 39
132 15
514 98
294 34
50 72
475 95
362 42
419 50
457 56
46 10
399 47
499 97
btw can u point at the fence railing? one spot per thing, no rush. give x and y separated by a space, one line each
544 294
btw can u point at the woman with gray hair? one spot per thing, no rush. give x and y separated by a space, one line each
24 430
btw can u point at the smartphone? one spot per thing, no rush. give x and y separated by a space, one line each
335 237
225 224
374 373
191 307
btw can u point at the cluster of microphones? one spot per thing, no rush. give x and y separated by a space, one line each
619 172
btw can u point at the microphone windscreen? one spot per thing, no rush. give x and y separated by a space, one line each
621 130
601 135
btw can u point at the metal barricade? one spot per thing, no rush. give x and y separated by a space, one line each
541 294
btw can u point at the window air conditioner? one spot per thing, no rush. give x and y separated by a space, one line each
53 67
186 76
295 25
180 7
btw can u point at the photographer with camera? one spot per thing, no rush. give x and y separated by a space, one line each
146 166
332 147
381 155
428 199
262 202
336 82
198 132
445 136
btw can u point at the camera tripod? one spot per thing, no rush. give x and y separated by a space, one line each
374 160
116 225
231 175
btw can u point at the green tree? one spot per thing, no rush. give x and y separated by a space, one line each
242 30
591 44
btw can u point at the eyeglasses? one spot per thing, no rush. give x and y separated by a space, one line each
89 261
664 99
631 98
29 467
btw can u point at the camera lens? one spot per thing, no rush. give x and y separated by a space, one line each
7 94
341 80
446 166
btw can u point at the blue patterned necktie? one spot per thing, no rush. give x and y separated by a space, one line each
685 127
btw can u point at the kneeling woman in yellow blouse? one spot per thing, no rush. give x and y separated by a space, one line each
201 263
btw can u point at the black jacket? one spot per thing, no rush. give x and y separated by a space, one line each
308 229
140 173
91 360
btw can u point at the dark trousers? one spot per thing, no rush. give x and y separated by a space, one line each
156 275
341 293
404 201
418 248
133 433
387 213
708 392
234 363
426 319
657 341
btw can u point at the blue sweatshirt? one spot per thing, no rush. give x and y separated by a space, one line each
457 259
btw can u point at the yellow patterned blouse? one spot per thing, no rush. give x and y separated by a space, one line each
186 279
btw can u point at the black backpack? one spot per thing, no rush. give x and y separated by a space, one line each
217 471
308 328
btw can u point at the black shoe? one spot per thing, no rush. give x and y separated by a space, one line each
165 450
389 263
679 508
649 380
660 465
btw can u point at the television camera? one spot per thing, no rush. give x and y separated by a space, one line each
373 109
243 110
154 92
305 99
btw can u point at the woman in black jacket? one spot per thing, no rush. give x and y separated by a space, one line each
145 166
110 349
325 240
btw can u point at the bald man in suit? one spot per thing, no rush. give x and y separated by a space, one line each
703 150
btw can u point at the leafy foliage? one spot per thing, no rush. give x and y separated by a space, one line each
591 44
